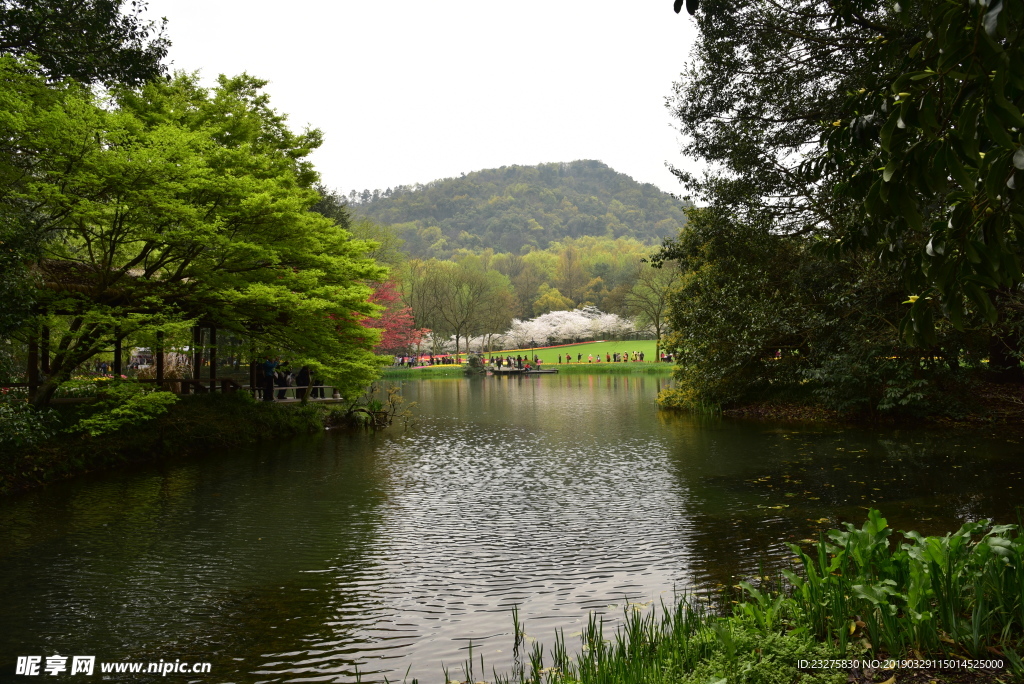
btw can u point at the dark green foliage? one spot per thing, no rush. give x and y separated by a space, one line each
963 592
763 316
87 40
16 292
930 153
333 206
122 405
892 130
195 424
23 425
514 207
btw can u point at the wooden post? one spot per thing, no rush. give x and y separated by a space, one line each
117 358
255 372
197 352
33 365
213 357
44 357
159 359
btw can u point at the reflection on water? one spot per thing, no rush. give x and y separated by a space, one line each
305 560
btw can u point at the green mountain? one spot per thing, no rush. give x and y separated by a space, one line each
514 207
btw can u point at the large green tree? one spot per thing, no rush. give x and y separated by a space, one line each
882 133
889 127
178 203
91 41
759 315
929 154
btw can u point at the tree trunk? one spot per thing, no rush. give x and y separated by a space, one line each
77 345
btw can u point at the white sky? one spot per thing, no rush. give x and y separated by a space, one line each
410 91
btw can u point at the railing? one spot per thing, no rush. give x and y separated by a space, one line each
227 385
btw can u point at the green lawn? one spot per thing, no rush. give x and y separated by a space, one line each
550 354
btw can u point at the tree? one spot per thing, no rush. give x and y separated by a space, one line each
87 40
931 155
570 275
880 127
465 299
396 322
648 300
758 315
551 299
183 204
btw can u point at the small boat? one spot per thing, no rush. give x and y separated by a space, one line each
536 371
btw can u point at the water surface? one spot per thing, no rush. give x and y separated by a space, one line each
308 559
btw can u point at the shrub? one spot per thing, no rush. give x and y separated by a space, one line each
22 425
123 405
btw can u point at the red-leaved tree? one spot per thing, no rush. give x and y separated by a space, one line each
396 323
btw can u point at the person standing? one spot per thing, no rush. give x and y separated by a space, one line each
269 366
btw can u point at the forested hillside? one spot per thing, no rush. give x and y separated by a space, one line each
513 207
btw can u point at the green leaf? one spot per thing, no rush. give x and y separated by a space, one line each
995 179
885 136
957 170
955 310
982 301
889 170
908 208
927 113
967 127
873 202
997 131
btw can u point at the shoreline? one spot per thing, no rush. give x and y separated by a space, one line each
994 404
452 371
195 423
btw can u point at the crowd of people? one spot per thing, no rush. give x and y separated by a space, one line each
609 357
276 373
519 360
429 360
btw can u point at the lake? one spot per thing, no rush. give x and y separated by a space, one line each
308 559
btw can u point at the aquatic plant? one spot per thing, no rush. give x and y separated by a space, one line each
958 596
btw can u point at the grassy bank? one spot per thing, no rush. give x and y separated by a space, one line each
195 424
585 349
954 604
424 373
